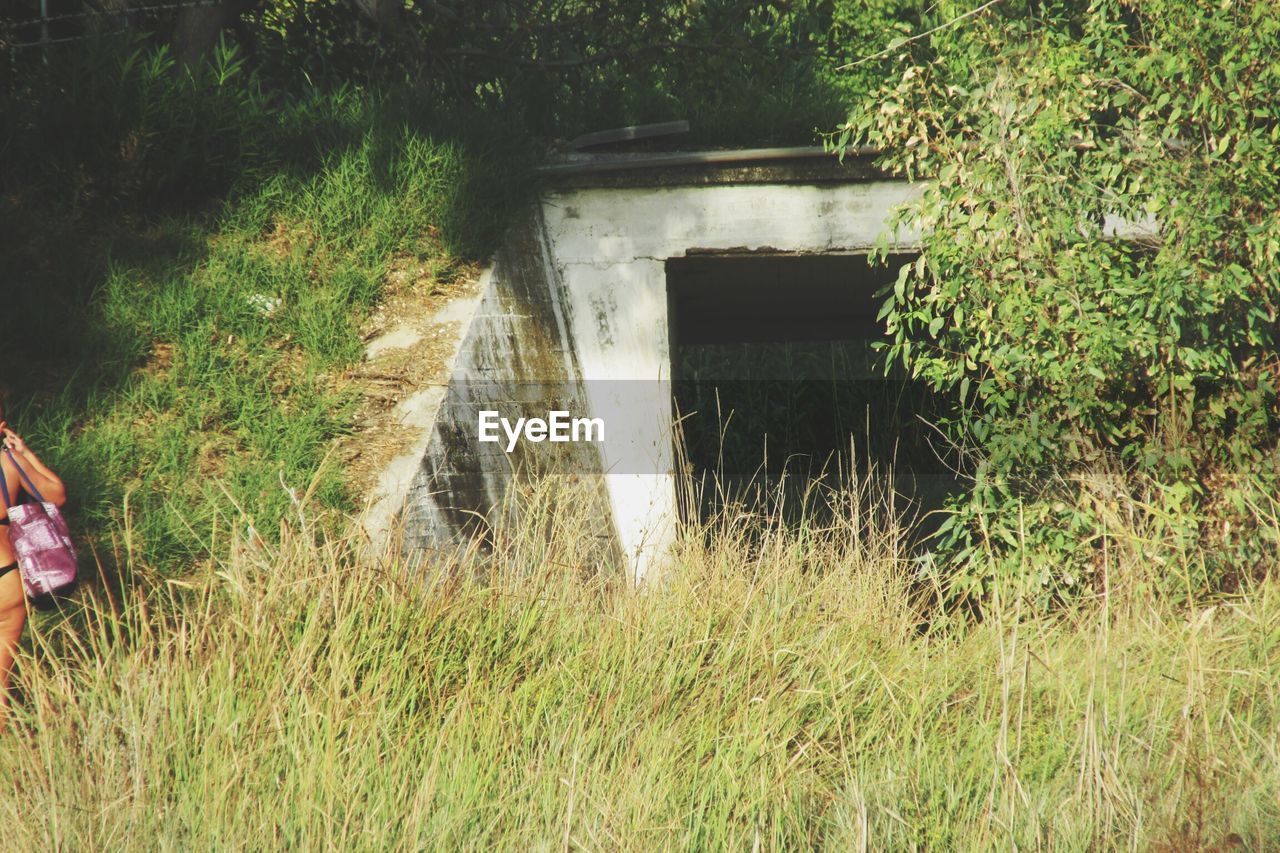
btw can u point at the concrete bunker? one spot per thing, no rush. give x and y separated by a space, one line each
593 306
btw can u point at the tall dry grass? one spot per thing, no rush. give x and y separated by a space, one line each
777 689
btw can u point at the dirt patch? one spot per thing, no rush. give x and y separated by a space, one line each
411 349
161 359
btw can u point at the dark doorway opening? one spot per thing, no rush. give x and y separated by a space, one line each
782 397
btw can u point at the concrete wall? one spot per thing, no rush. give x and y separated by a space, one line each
575 312
515 357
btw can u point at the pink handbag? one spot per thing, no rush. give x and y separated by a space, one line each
46 557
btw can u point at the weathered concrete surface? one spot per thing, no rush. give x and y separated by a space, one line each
400 337
517 357
417 412
609 248
574 315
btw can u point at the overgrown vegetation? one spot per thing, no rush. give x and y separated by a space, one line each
188 261
775 691
1104 374
188 249
187 253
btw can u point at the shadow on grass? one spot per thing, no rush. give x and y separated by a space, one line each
151 218
141 268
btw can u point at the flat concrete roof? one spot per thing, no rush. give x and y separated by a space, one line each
801 165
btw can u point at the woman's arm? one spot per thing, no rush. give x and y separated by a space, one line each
49 484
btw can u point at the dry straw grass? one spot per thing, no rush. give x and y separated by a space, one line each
777 690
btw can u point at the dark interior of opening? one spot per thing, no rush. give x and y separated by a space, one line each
783 399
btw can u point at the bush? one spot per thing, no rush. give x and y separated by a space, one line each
1076 348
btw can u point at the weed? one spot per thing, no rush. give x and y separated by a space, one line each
522 696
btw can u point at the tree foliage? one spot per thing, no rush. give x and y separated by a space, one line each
1106 375
738 70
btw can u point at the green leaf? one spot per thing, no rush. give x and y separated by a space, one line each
900 286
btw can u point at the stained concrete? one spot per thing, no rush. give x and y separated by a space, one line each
574 315
400 337
609 249
417 413
516 355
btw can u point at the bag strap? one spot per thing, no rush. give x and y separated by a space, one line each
4 489
31 487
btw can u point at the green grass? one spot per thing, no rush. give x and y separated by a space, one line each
149 213
781 694
779 688
235 356
165 333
